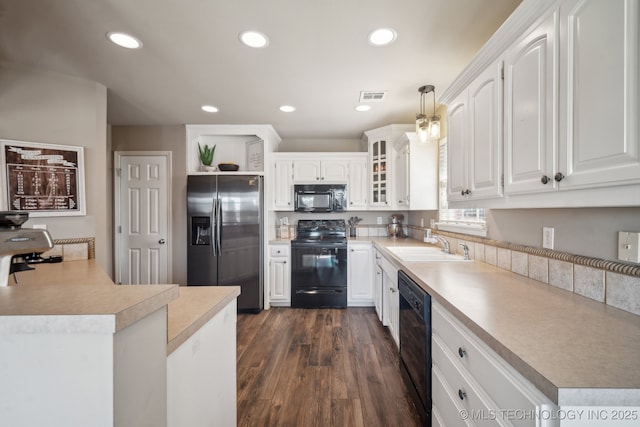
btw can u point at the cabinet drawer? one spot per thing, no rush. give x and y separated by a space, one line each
461 388
446 411
279 250
506 387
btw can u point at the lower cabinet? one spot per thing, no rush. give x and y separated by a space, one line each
279 274
387 297
360 281
377 285
470 378
391 306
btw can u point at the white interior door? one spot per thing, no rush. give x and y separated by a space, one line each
142 218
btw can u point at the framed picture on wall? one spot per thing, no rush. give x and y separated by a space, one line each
42 179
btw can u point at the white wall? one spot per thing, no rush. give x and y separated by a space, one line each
47 107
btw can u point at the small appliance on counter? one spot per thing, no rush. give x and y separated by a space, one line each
21 243
394 228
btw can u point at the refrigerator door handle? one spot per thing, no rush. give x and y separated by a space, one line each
219 228
214 226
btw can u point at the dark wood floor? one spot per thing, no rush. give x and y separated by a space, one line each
319 367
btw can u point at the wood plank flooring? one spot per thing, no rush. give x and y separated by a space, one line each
319 367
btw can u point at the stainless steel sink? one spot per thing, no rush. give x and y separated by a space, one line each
424 253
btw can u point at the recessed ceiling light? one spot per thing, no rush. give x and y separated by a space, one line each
287 108
254 39
363 107
124 40
210 109
382 36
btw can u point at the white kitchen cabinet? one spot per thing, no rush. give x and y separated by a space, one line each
357 186
416 173
382 169
279 274
475 139
325 170
571 110
470 376
402 176
360 281
283 185
390 297
391 303
377 286
597 144
530 110
599 110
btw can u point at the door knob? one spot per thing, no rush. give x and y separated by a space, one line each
558 177
545 179
162 241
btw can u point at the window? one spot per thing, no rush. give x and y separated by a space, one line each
469 221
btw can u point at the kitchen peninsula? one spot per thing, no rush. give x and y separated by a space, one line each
85 351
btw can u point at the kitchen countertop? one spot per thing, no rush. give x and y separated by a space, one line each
562 342
78 296
195 307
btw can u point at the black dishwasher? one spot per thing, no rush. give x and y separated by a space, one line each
415 344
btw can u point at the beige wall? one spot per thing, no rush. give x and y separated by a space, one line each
41 106
164 138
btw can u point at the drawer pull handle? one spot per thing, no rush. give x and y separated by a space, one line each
462 394
462 352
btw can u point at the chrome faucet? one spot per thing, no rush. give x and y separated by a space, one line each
465 248
445 243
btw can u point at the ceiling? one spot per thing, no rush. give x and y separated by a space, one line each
318 58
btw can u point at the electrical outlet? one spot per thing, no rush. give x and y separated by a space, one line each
548 237
40 226
379 220
628 243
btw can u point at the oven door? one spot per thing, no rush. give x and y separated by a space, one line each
318 275
315 264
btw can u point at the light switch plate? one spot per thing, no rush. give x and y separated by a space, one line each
628 243
548 237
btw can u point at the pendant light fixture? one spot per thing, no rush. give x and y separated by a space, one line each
427 129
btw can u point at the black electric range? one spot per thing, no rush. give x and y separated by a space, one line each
319 264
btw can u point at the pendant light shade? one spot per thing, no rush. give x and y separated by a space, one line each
427 128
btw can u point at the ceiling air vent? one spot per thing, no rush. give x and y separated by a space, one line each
372 96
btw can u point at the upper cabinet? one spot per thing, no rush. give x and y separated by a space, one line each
326 170
571 110
530 109
283 184
319 168
599 112
382 166
475 138
357 188
416 174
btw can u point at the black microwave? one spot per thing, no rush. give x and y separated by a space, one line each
320 198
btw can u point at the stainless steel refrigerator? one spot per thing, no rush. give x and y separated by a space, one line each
224 217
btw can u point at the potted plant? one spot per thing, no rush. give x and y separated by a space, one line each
206 157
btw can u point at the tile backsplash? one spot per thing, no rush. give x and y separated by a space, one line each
611 282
